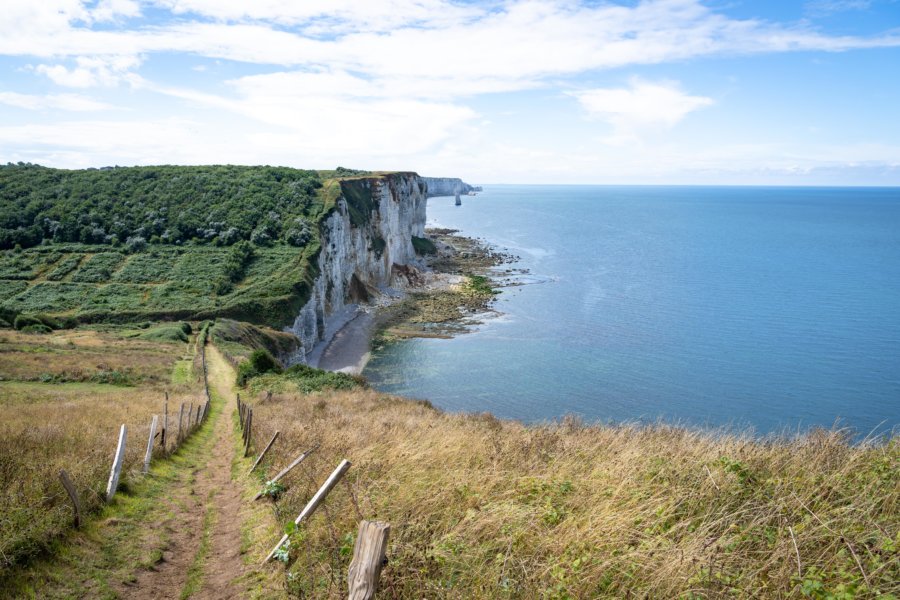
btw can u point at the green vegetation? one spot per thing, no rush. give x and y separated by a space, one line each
135 206
259 284
168 243
258 363
238 340
485 508
304 379
479 285
423 245
360 197
167 332
62 399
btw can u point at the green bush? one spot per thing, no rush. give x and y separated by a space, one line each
259 362
309 379
4 324
423 245
165 333
36 328
23 321
186 328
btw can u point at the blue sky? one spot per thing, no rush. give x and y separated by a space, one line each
532 91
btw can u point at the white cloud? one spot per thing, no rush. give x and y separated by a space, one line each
331 16
71 102
508 46
110 10
643 106
93 70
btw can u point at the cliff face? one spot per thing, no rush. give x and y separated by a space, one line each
369 230
447 186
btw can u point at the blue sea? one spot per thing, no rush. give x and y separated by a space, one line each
760 308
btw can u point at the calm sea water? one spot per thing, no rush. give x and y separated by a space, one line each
767 308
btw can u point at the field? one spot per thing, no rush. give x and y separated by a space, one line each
101 284
63 397
483 508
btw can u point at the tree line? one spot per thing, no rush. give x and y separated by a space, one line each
132 207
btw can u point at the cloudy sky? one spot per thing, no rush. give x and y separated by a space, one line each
531 91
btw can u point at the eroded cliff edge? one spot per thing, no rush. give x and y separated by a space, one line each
366 238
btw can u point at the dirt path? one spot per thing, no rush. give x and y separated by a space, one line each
202 555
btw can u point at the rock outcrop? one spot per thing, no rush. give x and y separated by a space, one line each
366 236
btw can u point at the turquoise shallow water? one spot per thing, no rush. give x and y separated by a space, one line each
769 308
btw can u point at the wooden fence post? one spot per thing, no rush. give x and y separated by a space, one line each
149 454
73 495
189 419
249 435
113 482
180 419
165 428
314 502
368 558
263 453
288 469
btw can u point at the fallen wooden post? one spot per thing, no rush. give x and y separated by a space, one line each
149 454
263 453
249 436
368 558
314 502
289 468
73 495
113 482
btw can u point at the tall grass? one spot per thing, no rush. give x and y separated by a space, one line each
484 508
45 427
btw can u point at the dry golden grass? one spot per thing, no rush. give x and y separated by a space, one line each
45 427
83 355
483 508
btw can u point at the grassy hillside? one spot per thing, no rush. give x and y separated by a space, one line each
100 283
161 243
483 508
62 399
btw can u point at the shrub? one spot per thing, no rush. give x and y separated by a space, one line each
165 333
135 244
4 324
186 328
23 321
423 245
36 328
258 363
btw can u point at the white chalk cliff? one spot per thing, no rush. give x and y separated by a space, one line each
367 233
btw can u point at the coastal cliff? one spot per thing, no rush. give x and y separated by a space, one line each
369 230
447 186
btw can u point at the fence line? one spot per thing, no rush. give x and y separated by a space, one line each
185 428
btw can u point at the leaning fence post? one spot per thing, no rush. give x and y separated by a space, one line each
73 495
288 469
113 482
190 416
263 453
368 558
314 502
149 454
249 435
